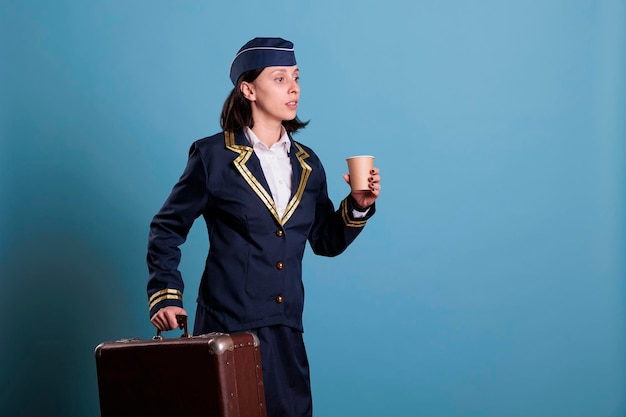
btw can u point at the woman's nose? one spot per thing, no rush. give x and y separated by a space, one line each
294 87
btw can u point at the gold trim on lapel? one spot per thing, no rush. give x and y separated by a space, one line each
301 155
245 152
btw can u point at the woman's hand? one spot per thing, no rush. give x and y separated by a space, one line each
165 318
365 199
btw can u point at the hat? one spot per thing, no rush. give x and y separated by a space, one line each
261 53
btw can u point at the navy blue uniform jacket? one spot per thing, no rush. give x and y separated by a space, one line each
253 272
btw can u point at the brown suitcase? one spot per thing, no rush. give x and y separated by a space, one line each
213 375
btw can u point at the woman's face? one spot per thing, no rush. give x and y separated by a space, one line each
274 94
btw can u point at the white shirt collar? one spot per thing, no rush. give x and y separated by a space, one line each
283 142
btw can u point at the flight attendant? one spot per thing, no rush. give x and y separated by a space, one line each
262 196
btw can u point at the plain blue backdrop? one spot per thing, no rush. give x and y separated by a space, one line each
490 283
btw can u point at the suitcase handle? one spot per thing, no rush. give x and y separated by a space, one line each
182 324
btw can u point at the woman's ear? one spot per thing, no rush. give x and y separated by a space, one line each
247 89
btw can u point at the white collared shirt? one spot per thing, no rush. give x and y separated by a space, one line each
276 167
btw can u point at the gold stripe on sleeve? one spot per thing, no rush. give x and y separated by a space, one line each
346 217
166 291
163 298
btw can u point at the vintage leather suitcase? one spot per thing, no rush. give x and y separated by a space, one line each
213 375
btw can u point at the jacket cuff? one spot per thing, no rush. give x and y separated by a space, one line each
163 298
347 205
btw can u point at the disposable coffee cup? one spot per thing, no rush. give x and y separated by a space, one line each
359 168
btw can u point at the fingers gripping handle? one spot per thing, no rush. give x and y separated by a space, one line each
182 324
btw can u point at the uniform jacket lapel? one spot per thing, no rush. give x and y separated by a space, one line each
300 171
249 166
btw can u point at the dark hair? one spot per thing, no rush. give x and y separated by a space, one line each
237 112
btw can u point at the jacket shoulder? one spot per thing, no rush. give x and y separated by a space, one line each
216 140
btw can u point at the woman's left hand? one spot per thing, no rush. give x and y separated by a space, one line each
365 199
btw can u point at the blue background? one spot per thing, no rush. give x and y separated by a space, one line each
491 282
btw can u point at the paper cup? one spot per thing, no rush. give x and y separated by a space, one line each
359 168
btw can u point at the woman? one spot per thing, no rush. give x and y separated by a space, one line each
262 196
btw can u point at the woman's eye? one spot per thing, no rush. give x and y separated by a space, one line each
279 79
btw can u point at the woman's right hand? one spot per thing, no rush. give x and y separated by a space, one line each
165 318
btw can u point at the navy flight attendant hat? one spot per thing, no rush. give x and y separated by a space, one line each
261 53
